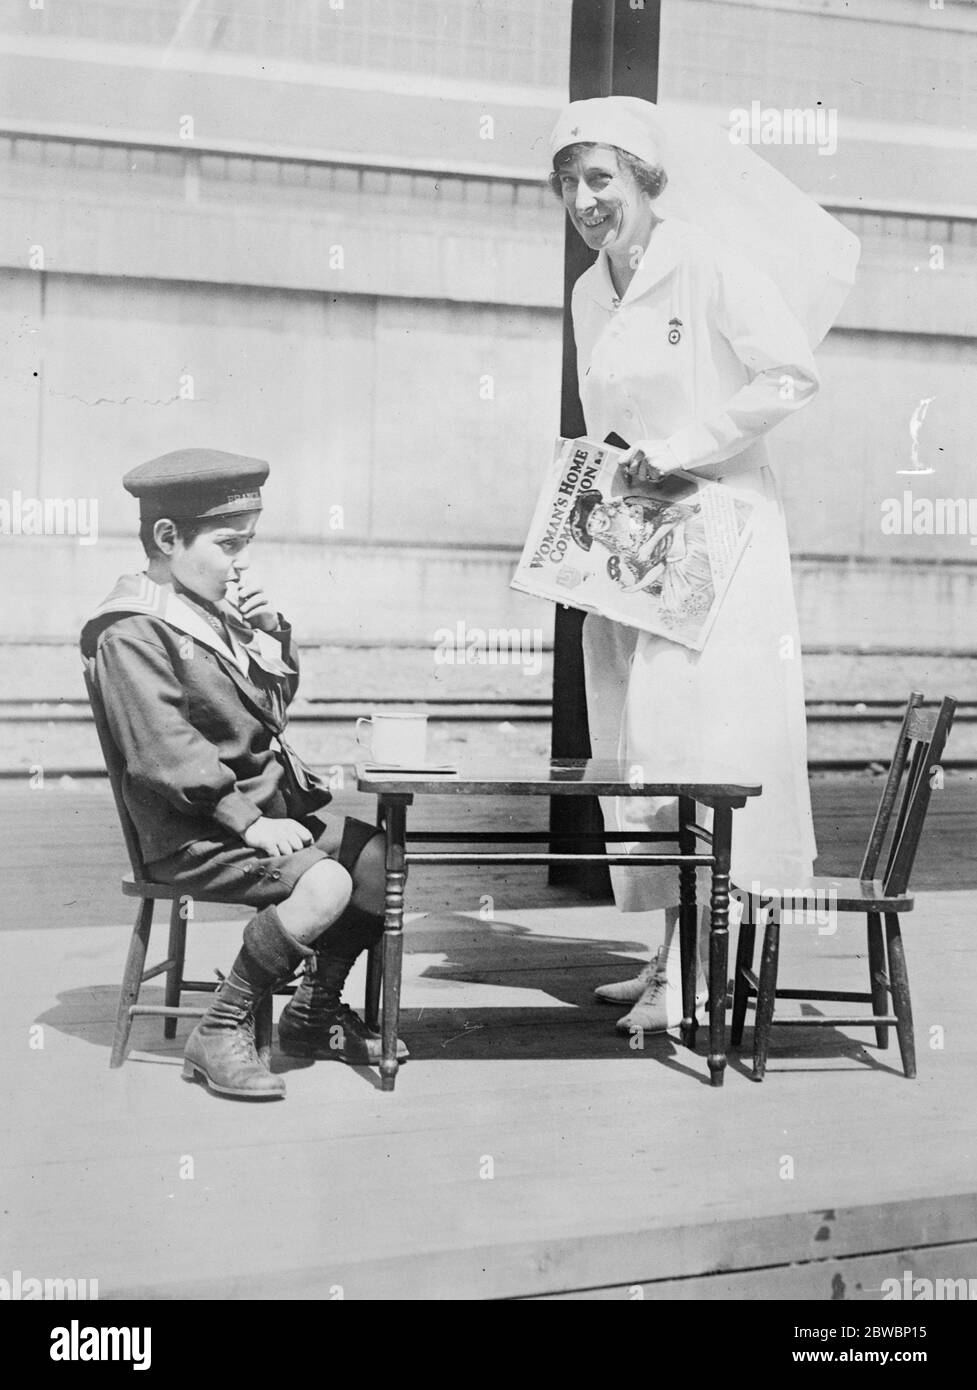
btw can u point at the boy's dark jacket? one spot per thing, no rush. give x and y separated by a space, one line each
197 718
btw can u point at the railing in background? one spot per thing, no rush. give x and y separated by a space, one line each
889 222
844 735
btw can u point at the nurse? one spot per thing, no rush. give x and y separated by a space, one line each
687 349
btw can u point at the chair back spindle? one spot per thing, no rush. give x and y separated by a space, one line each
890 791
928 732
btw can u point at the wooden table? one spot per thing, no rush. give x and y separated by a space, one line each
396 791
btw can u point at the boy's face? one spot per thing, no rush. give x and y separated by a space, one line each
214 558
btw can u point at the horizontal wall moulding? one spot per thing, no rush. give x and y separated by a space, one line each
899 562
36 131
448 552
268 158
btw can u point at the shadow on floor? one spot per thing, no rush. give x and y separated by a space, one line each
510 957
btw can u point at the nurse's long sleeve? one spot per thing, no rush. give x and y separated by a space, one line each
751 315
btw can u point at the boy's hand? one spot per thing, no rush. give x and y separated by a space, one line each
274 836
255 609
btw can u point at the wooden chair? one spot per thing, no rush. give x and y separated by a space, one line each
138 885
919 749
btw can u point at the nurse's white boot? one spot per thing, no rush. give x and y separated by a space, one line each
659 1006
629 991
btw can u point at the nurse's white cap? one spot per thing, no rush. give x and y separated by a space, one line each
625 122
726 189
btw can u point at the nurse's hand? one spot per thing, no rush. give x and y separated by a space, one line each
648 461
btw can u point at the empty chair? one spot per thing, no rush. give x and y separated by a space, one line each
881 896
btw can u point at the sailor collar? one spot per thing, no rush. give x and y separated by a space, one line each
140 594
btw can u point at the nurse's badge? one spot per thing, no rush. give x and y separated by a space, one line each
674 331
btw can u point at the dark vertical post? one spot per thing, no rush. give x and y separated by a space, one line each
613 50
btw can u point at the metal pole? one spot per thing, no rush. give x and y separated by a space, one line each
613 50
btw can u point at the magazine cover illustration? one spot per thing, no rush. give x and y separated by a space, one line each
657 557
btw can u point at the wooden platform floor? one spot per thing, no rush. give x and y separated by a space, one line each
528 1151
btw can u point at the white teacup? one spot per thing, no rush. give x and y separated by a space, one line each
398 738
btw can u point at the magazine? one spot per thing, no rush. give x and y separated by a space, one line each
655 556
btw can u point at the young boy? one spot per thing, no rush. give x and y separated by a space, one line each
196 671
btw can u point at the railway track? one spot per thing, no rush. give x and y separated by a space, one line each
58 737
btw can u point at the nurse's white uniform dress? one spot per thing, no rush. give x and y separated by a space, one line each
703 353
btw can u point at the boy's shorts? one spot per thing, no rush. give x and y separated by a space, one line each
226 868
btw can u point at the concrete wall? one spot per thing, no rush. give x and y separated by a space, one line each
412 380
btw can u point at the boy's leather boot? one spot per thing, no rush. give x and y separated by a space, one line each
316 1022
221 1048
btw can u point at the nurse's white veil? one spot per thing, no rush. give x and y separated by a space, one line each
734 195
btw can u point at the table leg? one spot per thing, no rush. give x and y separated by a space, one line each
393 942
374 963
722 830
374 980
688 919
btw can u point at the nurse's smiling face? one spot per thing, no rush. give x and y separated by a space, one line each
604 203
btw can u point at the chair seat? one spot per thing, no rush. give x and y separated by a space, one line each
844 895
134 887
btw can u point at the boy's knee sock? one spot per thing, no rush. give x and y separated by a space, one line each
269 952
355 930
